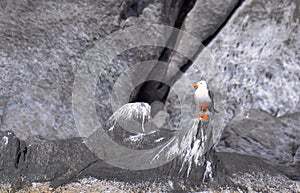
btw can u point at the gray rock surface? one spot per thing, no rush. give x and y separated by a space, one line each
10 154
275 140
41 47
61 161
260 134
46 160
253 65
254 79
201 22
54 161
254 62
252 174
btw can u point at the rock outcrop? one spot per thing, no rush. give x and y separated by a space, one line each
63 161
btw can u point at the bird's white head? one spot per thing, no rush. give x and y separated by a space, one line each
202 85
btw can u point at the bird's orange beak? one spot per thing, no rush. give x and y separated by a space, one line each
195 86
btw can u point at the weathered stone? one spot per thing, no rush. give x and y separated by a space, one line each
9 156
41 47
201 22
61 161
259 134
250 173
252 66
247 69
275 140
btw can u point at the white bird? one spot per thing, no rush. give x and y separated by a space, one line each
204 98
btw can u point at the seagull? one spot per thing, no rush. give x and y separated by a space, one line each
203 97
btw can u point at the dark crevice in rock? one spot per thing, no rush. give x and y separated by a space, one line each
295 148
211 37
61 181
134 8
21 152
185 8
18 154
87 166
160 91
152 91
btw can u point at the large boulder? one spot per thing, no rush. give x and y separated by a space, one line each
275 140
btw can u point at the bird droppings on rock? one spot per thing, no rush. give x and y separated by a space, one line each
5 140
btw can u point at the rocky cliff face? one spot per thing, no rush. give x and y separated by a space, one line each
255 72
251 62
42 45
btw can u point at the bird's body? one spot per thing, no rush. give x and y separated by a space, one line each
203 98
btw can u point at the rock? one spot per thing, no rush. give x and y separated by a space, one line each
206 16
201 22
42 47
131 140
247 70
47 160
250 173
10 155
252 68
258 134
61 161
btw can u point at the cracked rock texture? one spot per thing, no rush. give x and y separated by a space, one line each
252 66
198 25
255 59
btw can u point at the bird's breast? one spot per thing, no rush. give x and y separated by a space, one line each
202 98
